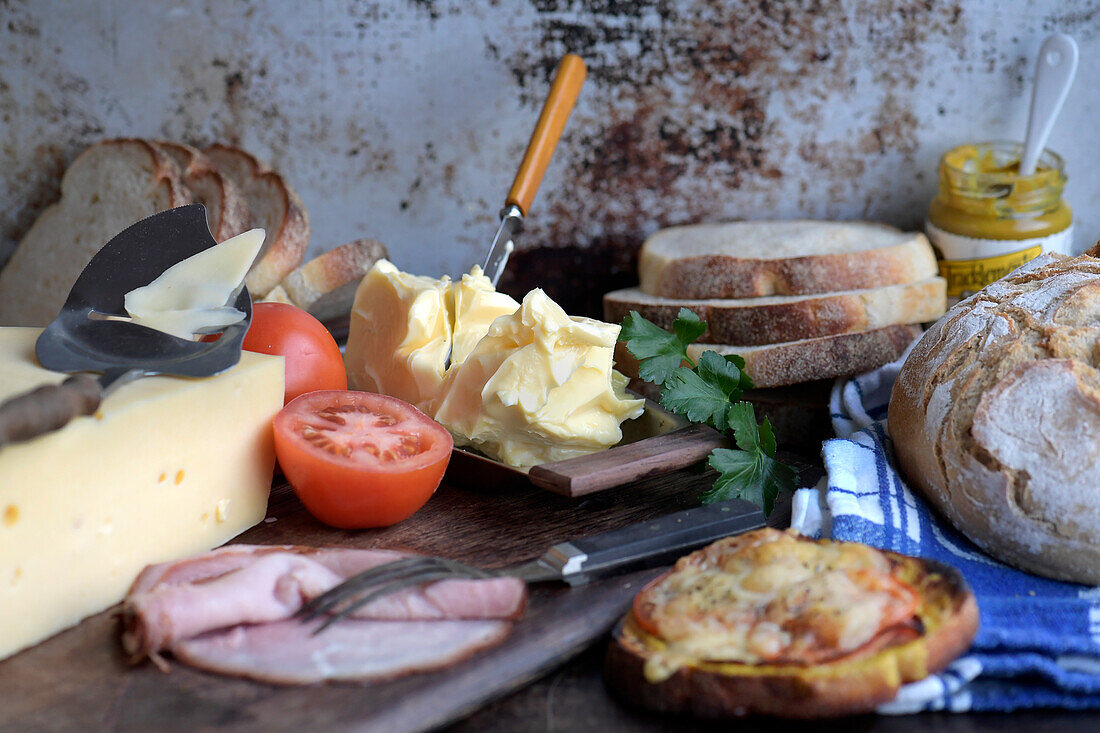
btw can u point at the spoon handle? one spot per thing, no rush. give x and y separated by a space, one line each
1053 76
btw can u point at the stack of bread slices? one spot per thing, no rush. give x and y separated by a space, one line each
114 183
803 302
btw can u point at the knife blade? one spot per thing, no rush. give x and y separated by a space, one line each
559 104
656 542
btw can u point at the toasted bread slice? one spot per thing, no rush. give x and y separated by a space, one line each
771 623
773 319
795 362
226 209
325 286
109 186
757 258
274 207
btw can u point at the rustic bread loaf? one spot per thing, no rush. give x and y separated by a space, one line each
226 209
109 186
275 207
794 362
995 417
772 319
752 259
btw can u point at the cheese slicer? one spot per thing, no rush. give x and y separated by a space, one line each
93 333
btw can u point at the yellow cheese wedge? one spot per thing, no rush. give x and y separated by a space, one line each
192 294
167 468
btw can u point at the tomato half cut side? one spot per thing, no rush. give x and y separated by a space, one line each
358 459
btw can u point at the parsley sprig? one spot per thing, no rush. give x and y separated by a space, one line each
710 392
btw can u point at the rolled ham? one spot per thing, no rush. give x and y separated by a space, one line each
231 611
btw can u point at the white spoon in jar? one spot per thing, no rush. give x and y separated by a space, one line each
1053 76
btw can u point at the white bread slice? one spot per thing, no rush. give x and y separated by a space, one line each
226 209
795 362
755 258
109 186
325 286
275 207
776 318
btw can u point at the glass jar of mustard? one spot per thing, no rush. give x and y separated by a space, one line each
987 219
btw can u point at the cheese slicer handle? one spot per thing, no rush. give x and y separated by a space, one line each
48 408
563 95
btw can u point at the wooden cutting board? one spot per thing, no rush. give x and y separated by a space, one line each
78 678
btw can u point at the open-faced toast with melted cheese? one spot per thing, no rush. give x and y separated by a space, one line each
774 623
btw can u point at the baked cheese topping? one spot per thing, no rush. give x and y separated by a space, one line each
772 598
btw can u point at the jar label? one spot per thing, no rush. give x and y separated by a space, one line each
969 264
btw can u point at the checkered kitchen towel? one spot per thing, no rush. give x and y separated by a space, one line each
1039 641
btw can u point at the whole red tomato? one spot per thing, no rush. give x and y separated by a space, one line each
358 459
313 360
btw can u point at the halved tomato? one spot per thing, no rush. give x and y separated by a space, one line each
358 459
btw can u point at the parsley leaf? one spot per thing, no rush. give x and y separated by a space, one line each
742 419
710 392
659 351
753 476
704 395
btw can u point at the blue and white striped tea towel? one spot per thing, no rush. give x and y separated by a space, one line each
1039 640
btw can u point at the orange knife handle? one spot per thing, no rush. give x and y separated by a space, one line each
563 95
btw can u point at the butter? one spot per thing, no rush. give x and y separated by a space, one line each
192 295
399 337
475 304
166 468
539 387
523 384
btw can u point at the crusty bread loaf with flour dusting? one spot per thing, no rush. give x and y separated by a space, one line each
995 417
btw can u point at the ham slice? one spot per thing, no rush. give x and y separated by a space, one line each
287 652
219 609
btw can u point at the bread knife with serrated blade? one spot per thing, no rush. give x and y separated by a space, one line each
559 103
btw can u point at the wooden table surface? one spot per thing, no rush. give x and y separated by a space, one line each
77 680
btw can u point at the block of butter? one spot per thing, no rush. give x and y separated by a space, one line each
167 468
524 384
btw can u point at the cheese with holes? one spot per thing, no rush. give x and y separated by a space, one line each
193 294
167 468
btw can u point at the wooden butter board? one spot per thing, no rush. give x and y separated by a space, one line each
78 678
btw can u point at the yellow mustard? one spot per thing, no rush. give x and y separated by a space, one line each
987 219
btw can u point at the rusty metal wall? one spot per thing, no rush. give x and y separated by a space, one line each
405 120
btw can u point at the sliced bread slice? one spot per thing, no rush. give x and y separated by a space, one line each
777 318
226 208
756 258
109 186
795 362
275 207
325 286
